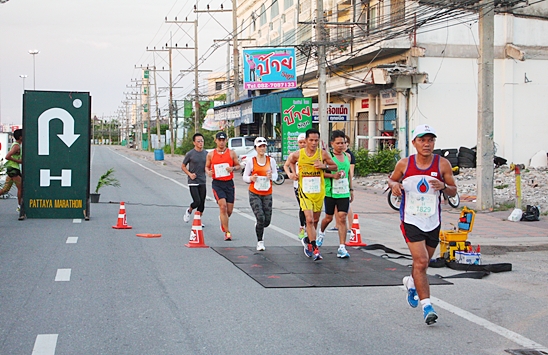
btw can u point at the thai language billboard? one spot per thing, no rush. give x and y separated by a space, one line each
269 69
296 119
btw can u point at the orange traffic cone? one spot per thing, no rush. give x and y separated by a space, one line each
196 234
122 222
356 239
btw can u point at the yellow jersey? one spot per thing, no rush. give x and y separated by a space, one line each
311 181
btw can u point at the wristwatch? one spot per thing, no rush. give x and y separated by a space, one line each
444 186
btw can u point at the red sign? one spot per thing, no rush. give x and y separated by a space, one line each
365 103
13 128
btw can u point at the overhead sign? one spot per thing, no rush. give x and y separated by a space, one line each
56 154
269 68
296 119
335 113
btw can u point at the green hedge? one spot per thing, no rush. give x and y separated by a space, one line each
382 161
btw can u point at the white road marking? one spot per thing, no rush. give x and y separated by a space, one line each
516 338
508 334
63 275
45 344
72 240
77 220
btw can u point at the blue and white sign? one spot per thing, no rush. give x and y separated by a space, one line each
335 113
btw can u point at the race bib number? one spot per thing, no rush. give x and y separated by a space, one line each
220 170
420 205
340 186
311 185
262 183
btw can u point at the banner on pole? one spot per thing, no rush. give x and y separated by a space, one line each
296 119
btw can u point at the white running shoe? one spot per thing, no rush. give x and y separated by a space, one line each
260 245
186 217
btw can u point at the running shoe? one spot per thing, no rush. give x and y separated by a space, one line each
430 316
308 250
260 246
317 255
301 233
18 209
305 241
228 237
319 238
186 217
342 253
412 296
333 229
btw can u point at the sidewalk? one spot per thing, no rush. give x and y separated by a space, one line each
379 222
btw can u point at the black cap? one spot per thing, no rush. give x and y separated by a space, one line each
220 135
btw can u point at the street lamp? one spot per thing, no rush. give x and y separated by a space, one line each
23 76
34 52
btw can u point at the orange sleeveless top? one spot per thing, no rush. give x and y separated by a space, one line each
261 171
218 159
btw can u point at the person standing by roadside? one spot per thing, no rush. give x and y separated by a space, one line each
312 163
220 165
194 166
301 141
13 165
259 172
338 193
420 179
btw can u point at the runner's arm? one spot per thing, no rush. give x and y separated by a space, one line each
273 169
208 164
248 170
14 151
395 178
449 187
235 161
329 163
290 162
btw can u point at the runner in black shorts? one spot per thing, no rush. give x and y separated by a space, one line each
412 233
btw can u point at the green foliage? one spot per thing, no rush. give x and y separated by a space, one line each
163 129
383 161
107 179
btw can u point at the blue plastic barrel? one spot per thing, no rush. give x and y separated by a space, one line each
158 154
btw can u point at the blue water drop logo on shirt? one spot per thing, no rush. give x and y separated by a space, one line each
423 186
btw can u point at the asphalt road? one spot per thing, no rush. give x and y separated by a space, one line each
120 294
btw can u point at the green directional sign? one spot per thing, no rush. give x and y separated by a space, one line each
56 154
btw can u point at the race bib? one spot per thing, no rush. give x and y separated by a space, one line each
220 170
311 185
420 205
262 183
340 186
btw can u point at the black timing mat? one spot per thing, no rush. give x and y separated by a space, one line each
288 267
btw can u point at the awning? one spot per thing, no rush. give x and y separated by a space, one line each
244 109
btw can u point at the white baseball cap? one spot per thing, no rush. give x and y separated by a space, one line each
260 141
301 137
423 130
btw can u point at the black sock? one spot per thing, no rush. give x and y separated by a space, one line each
313 244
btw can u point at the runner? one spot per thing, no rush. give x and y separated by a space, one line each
220 165
312 163
259 173
301 141
13 165
338 193
196 160
419 179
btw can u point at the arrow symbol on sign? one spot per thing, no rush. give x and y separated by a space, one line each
68 137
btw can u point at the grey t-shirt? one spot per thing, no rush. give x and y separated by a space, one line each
196 164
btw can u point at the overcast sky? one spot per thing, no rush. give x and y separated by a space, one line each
93 46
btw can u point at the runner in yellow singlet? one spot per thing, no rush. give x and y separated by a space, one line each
312 163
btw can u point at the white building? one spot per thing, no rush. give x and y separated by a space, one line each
400 63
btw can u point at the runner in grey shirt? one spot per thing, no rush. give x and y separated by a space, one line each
194 166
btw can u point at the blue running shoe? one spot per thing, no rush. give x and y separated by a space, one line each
430 316
412 296
308 251
317 255
319 238
342 253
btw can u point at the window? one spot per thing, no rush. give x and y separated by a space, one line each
397 14
236 142
274 9
219 85
253 22
262 16
288 4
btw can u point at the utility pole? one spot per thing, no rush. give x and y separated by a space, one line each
485 153
158 113
322 77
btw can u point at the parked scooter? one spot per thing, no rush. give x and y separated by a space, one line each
395 201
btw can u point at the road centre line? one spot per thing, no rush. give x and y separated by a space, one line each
45 344
72 240
77 220
506 333
63 275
